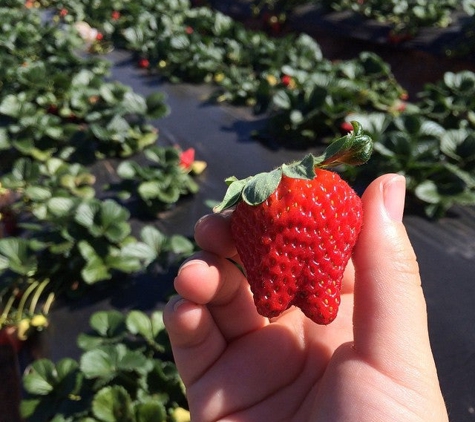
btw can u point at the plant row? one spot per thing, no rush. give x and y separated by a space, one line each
405 17
123 374
307 98
61 119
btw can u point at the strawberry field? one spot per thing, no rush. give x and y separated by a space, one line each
120 120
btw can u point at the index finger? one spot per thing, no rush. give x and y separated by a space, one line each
213 234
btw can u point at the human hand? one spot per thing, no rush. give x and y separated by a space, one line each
373 363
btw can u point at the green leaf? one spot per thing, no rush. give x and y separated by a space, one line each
127 169
304 169
114 219
40 378
151 410
134 103
15 255
139 323
156 107
427 192
232 195
180 245
37 193
281 99
61 207
123 262
261 186
113 404
86 212
141 252
11 106
99 363
153 237
108 323
95 269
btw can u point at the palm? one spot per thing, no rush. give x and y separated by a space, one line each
243 382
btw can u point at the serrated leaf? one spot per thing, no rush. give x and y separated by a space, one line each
180 245
139 323
15 255
261 186
134 103
95 269
304 169
150 410
38 193
113 404
153 237
427 192
61 207
39 379
282 100
108 323
127 169
99 363
124 263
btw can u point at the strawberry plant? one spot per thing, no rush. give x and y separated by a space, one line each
437 163
123 374
320 100
451 101
248 67
158 183
405 16
295 228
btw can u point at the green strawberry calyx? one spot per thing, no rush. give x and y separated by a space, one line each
353 149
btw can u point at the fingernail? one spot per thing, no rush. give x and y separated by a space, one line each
201 220
179 301
190 262
394 193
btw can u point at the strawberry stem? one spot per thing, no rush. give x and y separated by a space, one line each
353 149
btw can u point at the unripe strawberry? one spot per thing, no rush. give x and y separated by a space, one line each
295 228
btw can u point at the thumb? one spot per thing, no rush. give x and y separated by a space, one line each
390 318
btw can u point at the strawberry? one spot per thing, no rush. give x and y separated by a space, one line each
346 127
187 158
295 228
144 63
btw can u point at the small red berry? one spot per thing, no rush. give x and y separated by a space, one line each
189 30
286 80
144 63
115 15
63 12
346 127
187 158
401 107
99 36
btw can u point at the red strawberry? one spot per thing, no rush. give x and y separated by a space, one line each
286 80
187 158
346 127
295 228
144 63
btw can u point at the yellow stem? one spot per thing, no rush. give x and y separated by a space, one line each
24 298
6 311
36 297
48 303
